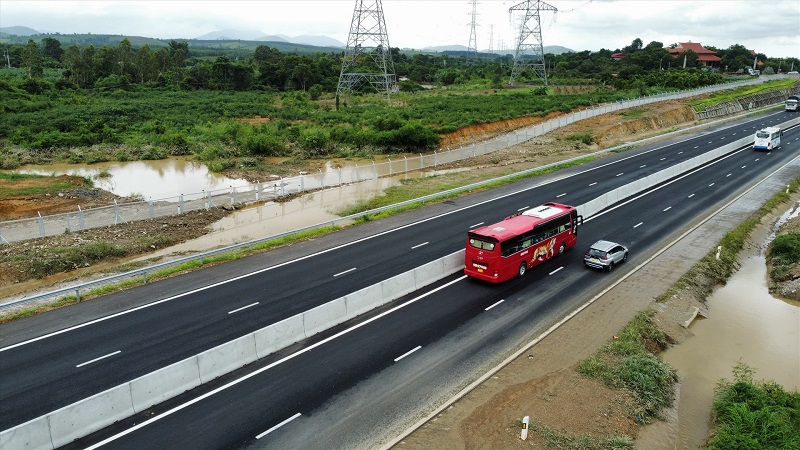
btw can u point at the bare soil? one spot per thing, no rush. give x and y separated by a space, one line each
541 383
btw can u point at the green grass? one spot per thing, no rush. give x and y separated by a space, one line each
718 97
632 113
564 441
710 270
784 254
754 414
7 191
421 187
630 362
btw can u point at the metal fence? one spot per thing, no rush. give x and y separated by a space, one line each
41 226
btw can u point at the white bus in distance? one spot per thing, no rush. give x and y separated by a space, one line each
768 139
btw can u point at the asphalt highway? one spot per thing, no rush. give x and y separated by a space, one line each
350 389
44 370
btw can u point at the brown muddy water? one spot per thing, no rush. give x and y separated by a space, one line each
745 324
152 180
274 218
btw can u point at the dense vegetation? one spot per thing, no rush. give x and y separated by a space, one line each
630 362
784 254
753 415
89 104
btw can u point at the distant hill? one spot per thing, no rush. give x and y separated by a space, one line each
238 39
257 35
313 39
18 31
232 35
554 49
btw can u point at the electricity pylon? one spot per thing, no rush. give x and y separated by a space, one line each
368 57
534 60
472 49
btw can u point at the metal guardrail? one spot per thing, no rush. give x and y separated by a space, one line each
82 219
143 272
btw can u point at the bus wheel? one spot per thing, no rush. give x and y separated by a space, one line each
561 249
522 268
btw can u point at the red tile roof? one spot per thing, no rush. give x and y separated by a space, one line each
703 54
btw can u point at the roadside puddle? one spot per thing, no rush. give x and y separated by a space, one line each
745 324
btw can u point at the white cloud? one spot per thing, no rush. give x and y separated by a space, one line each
771 27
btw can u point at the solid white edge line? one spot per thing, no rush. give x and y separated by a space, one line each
407 353
269 366
98 359
278 426
420 245
342 273
243 307
566 319
495 304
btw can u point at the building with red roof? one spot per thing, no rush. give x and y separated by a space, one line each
706 57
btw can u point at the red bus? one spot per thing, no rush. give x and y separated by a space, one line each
508 248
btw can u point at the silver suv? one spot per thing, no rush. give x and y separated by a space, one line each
604 254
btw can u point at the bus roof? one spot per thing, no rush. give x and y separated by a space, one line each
522 222
771 129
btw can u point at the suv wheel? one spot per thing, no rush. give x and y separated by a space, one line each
610 266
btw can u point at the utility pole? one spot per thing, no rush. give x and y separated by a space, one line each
472 48
368 56
531 9
491 39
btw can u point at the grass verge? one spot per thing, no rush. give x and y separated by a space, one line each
753 414
631 361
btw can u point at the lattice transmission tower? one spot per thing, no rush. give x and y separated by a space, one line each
367 57
472 48
530 53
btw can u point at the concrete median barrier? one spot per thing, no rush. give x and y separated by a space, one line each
89 415
398 285
324 316
226 357
163 384
363 300
31 435
279 335
428 273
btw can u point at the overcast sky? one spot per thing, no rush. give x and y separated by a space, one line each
771 27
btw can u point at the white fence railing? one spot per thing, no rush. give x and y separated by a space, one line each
50 225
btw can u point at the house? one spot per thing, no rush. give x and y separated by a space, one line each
617 56
706 57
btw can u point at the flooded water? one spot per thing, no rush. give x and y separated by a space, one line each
273 218
745 324
151 179
169 178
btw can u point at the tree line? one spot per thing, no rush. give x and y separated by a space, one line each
123 65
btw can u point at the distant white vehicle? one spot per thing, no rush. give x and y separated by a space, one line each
768 139
793 103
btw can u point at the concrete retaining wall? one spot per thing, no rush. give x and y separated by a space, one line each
94 413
